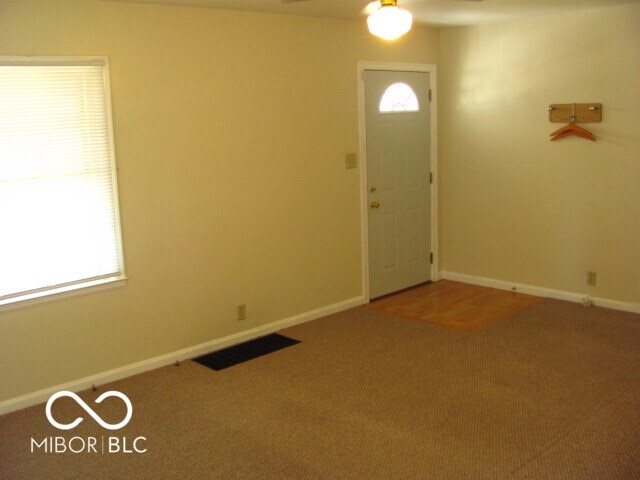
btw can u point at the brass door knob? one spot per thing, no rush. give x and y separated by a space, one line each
375 205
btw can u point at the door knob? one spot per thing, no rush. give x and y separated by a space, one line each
375 205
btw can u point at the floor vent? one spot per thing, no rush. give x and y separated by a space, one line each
242 352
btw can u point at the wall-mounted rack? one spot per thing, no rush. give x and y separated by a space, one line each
575 113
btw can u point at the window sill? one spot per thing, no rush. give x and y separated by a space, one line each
63 293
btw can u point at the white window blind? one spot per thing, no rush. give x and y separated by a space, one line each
59 225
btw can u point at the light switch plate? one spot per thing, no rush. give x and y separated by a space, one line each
350 160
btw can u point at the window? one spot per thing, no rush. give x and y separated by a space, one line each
399 97
59 224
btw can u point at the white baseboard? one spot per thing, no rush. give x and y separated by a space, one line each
41 396
540 291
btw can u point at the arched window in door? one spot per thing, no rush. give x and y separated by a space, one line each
399 97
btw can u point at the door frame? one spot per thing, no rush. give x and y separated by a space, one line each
433 147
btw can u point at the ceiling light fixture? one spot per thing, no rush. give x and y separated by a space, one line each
389 21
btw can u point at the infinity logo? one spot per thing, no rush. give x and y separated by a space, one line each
89 410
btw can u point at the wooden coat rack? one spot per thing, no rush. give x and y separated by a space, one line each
574 113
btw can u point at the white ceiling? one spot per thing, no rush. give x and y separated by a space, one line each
427 12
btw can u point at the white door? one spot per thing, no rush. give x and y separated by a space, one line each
398 180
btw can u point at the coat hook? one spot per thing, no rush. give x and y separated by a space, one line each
575 113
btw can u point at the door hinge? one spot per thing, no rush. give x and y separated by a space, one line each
431 177
431 257
429 94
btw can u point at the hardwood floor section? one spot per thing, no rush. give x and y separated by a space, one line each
456 305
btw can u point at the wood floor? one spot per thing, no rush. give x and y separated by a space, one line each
456 305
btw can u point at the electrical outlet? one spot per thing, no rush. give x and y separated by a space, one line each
242 312
591 278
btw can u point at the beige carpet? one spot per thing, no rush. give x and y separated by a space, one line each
552 392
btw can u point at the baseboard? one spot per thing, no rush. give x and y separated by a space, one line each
540 291
41 396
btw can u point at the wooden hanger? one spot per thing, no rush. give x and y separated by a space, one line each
572 129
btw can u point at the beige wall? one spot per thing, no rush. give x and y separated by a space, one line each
515 206
231 130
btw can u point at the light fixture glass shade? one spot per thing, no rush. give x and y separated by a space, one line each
389 22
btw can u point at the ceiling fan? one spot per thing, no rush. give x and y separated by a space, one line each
388 21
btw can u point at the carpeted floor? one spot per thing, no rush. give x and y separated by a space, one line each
552 392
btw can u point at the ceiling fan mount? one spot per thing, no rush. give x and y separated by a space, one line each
383 2
385 18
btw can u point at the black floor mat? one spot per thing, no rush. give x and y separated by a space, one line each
242 352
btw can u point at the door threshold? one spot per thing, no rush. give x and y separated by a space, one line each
387 295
